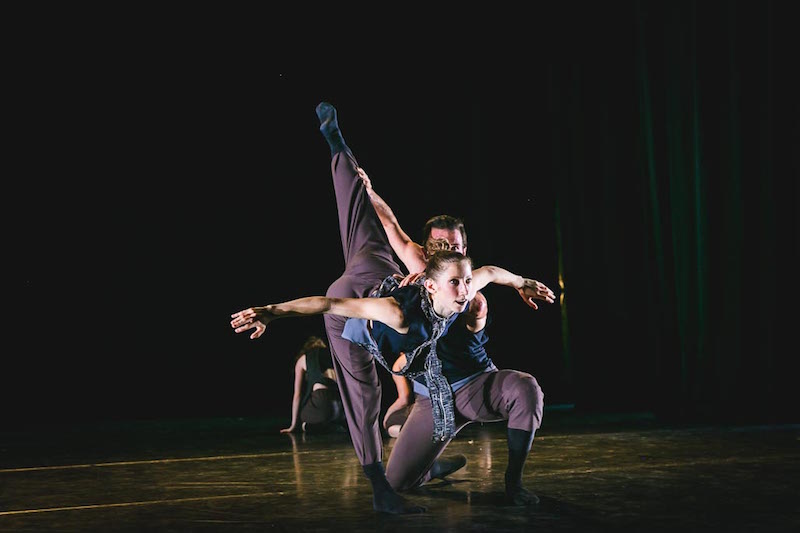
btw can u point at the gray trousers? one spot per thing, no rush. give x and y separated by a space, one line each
368 260
500 395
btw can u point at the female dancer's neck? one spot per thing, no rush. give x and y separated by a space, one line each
444 313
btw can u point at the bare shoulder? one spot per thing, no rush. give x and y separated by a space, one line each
393 315
478 307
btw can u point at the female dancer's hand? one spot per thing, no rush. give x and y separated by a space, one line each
253 318
535 290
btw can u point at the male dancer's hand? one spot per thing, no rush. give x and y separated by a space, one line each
253 318
365 180
411 278
534 290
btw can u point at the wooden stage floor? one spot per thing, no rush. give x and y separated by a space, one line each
592 473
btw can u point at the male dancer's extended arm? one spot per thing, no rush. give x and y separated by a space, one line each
413 254
410 253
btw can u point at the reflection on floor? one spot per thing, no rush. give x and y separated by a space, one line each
624 473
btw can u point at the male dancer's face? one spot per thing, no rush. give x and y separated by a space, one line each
453 238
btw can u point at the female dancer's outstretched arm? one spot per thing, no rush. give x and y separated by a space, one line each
386 310
528 289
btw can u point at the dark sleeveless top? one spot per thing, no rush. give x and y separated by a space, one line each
420 328
419 344
317 361
462 352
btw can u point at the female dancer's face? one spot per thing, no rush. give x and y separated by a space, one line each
450 288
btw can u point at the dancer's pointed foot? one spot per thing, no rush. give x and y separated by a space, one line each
329 127
327 118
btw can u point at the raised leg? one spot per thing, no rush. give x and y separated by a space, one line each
368 260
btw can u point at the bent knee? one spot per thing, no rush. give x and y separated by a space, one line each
526 388
528 398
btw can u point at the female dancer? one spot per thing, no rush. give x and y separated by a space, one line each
316 406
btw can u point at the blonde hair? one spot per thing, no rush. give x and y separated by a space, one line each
438 262
436 245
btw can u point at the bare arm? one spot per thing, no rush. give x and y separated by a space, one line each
404 392
410 253
299 377
475 317
386 310
401 382
528 289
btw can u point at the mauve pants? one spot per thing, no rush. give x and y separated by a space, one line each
368 260
499 395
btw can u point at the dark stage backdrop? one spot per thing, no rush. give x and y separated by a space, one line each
638 158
